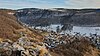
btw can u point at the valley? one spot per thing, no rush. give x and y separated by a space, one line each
23 32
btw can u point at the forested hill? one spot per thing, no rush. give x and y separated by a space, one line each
35 16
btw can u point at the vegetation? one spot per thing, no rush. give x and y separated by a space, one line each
10 28
14 37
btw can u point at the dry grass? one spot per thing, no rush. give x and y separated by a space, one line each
10 28
8 24
77 48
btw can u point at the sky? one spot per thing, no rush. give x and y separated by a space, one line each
17 4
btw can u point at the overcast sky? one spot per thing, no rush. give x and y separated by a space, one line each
16 4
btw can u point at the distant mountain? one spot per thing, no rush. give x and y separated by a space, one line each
35 16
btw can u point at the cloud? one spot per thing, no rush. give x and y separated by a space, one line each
84 3
31 3
15 4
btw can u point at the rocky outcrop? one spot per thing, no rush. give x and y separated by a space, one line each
24 46
53 44
76 45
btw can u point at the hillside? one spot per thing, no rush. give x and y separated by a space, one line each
76 48
35 16
9 26
16 38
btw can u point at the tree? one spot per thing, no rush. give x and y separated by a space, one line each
57 29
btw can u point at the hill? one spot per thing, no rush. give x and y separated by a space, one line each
16 37
35 16
10 28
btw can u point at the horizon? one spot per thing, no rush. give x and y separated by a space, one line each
47 8
49 4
